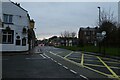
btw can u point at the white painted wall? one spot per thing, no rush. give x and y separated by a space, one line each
20 20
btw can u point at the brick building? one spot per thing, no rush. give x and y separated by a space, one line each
87 35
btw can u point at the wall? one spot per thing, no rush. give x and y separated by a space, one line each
20 20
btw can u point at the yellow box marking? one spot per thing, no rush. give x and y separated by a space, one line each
98 71
74 58
111 59
82 59
68 54
94 65
114 74
110 76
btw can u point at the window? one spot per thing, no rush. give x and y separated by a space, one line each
93 33
18 42
85 33
7 37
24 42
8 18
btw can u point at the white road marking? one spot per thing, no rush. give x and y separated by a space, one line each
51 58
59 63
52 53
46 56
73 71
84 77
65 67
55 61
27 58
43 56
32 58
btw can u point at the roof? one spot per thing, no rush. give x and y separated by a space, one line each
18 5
88 28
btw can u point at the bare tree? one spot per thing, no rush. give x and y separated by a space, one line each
108 24
73 34
68 34
107 16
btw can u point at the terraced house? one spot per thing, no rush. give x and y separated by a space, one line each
15 25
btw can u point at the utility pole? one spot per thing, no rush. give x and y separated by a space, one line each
99 28
99 16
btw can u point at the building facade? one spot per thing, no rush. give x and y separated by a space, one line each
15 27
87 35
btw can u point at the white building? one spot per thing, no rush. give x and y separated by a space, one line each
15 21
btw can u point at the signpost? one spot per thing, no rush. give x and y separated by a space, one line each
100 37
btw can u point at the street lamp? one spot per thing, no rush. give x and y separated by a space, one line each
99 16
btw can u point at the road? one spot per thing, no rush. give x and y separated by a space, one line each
52 63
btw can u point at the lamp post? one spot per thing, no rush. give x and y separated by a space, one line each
99 15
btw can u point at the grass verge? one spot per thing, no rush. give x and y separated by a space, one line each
108 50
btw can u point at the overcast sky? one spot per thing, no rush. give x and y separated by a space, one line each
52 18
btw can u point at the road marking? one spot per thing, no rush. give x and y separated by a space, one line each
82 59
27 58
114 74
52 53
92 60
83 66
94 65
74 58
101 66
73 71
46 56
65 67
96 71
32 58
111 59
43 56
68 54
84 77
60 64
55 61
52 59
68 60
112 62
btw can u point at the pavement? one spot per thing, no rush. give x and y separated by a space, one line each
51 62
